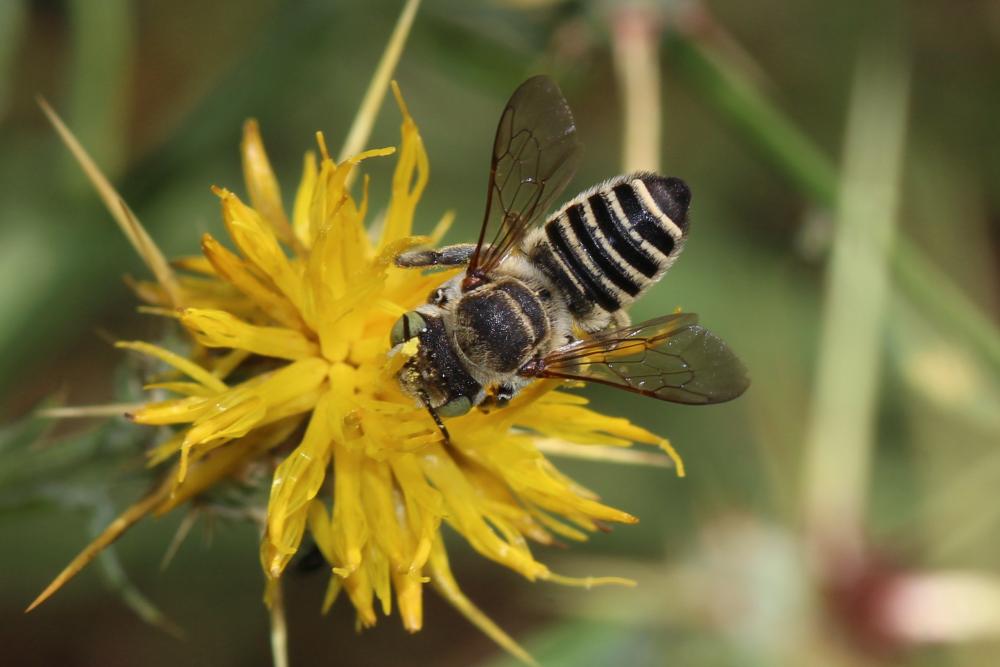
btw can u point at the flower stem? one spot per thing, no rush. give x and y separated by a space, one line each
841 430
734 94
279 629
361 127
635 36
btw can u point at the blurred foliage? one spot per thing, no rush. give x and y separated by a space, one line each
754 99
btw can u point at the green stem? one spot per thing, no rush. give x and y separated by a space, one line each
841 430
758 120
737 98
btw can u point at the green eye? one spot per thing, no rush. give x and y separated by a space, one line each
406 327
456 407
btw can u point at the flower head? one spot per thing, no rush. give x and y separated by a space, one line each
288 365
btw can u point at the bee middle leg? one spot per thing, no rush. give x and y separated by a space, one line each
604 321
453 255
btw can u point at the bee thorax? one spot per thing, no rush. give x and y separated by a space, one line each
501 326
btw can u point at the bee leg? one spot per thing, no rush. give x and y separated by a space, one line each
497 398
440 424
620 319
425 399
505 392
453 255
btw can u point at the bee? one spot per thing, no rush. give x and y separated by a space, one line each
548 300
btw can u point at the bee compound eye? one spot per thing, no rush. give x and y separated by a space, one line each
396 336
456 407
406 327
439 298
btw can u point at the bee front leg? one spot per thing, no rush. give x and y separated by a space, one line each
498 398
505 392
453 255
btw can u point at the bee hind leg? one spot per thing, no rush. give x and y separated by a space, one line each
603 321
619 320
453 255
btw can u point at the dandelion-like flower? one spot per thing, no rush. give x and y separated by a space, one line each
288 364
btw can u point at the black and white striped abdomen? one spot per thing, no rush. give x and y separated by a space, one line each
610 243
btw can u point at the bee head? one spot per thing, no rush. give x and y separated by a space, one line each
435 375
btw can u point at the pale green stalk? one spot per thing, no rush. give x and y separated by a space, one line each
364 121
101 70
635 41
841 430
734 94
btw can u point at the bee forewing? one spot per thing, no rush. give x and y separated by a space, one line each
535 153
671 358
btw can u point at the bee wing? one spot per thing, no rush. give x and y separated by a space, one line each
671 358
535 154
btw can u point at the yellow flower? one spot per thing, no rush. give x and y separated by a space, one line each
288 364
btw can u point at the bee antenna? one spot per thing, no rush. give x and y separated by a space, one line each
425 399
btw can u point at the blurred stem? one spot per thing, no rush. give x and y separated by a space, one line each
12 19
949 506
734 94
932 287
101 69
364 121
840 433
279 629
635 40
116 578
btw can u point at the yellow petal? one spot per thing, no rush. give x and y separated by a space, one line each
174 411
348 515
227 421
165 450
303 200
194 264
296 481
468 516
409 179
183 388
225 462
238 274
226 364
381 513
257 241
446 585
189 368
376 565
409 597
424 506
321 528
262 186
217 328
359 589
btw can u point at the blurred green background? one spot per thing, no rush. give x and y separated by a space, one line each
845 239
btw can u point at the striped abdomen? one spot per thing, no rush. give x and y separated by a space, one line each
610 243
